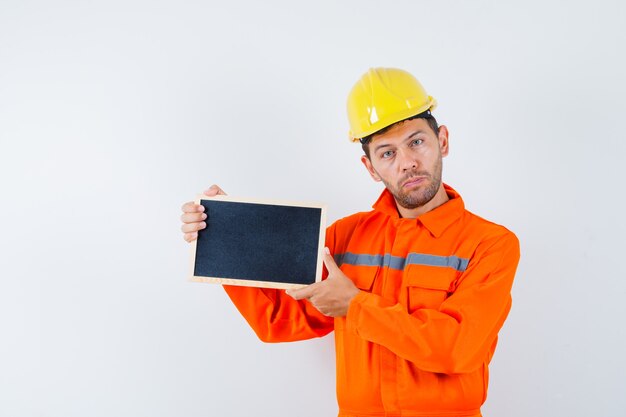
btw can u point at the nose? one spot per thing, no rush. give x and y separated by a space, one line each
407 161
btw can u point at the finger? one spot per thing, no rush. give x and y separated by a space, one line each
192 217
190 237
301 293
213 191
329 262
192 227
191 207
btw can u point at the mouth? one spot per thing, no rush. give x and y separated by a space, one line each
413 181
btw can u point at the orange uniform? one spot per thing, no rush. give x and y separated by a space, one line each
418 338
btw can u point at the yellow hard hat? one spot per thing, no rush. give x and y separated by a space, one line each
382 97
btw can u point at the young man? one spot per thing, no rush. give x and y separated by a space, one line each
417 289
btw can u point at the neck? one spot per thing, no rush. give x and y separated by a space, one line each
439 198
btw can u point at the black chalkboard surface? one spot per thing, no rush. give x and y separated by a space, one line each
259 244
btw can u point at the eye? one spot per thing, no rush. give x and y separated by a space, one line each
387 154
417 142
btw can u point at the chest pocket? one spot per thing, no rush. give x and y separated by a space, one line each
362 276
428 286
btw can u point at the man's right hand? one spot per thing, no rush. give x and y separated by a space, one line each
193 216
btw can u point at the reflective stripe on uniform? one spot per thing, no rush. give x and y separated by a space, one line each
399 262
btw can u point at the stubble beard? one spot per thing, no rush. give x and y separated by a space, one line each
419 197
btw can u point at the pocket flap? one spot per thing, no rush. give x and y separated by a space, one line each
431 277
362 276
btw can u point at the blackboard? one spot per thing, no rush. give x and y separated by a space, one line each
272 244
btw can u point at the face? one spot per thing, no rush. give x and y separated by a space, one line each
408 160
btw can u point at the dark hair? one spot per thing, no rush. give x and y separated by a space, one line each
432 122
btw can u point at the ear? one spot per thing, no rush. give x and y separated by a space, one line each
443 140
370 168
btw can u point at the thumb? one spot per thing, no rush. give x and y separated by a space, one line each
329 262
213 191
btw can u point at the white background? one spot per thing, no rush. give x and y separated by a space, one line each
112 114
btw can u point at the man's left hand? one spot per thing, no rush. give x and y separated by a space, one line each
332 296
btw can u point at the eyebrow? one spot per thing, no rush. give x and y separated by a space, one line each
385 145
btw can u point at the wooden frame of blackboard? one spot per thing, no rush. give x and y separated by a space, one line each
304 210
